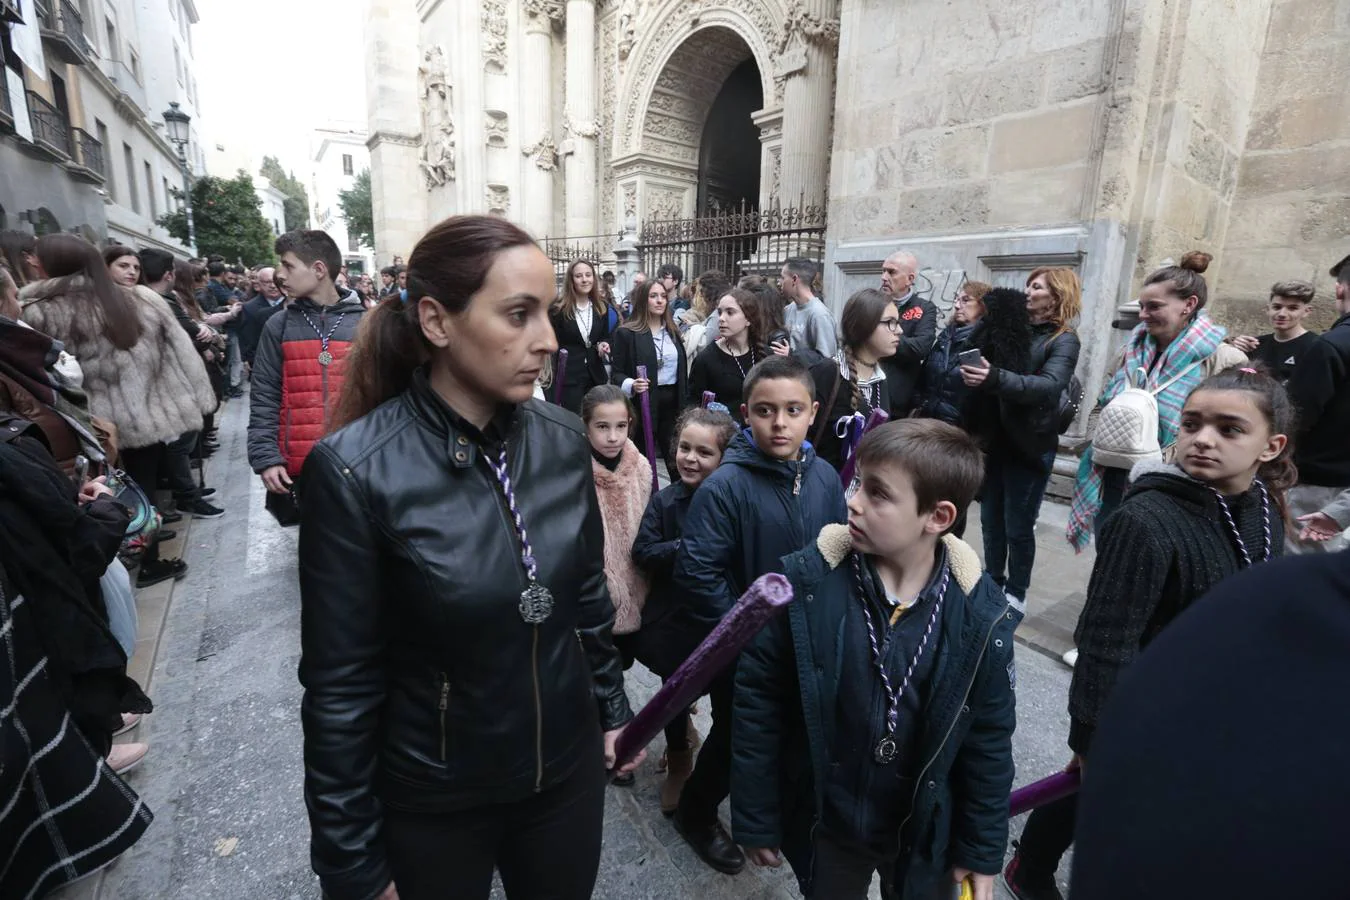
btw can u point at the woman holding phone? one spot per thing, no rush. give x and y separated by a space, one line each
1025 431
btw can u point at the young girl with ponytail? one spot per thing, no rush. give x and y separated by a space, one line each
852 383
1181 529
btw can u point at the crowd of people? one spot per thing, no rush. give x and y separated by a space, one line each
464 674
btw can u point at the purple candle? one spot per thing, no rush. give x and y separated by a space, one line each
558 377
647 432
1047 790
708 397
769 595
875 418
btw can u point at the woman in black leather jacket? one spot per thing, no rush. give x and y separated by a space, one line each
462 690
1025 433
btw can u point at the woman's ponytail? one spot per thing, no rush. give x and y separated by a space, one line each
388 348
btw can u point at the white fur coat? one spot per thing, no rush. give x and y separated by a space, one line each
154 392
623 496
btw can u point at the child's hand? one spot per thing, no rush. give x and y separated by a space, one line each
764 856
1246 343
1318 526
982 886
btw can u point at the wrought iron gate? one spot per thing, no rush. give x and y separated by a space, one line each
738 242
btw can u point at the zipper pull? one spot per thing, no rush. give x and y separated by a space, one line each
445 693
797 481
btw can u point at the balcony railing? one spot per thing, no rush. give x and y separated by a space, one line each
62 28
88 164
50 129
120 74
6 109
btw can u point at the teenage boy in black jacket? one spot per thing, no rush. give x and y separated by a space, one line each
769 496
1320 390
851 772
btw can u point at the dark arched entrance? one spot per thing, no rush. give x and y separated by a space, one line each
729 157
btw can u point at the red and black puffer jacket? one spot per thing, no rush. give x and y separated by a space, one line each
293 392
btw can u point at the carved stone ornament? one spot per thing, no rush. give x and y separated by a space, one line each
437 156
554 10
589 129
665 204
493 23
629 11
630 202
544 152
807 27
495 127
498 197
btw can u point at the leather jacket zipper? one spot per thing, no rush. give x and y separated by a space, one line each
538 716
970 686
444 704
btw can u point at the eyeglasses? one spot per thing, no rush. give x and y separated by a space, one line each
892 325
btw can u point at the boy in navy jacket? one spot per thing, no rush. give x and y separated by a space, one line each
769 497
873 723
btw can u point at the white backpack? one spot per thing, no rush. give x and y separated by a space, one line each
1127 428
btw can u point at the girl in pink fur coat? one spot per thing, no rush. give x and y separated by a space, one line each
623 482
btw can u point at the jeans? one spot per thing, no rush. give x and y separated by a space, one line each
178 467
546 847
710 783
841 872
1011 501
1045 839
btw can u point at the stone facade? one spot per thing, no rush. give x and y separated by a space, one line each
987 138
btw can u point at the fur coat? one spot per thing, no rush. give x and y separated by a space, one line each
623 497
154 392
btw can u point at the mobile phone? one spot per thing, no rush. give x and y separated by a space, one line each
969 358
81 470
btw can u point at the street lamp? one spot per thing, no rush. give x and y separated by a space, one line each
176 123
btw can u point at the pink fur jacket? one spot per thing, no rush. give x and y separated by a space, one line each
623 499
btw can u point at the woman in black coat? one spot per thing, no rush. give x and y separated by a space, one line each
582 322
1025 435
649 338
942 392
852 383
462 688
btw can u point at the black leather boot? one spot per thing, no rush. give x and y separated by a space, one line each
712 843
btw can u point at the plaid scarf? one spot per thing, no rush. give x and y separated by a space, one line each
1196 344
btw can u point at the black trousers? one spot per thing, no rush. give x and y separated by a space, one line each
843 872
1045 839
632 647
178 465
143 465
710 783
546 847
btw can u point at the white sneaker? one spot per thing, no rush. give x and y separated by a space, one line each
129 721
125 757
1070 657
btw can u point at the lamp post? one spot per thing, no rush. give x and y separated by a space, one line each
176 123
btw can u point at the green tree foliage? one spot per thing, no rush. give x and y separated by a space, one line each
228 221
357 209
297 198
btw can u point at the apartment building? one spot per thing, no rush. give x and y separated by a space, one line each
82 135
339 155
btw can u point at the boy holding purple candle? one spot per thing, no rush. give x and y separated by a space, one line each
872 725
769 497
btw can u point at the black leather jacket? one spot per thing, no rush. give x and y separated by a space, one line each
424 689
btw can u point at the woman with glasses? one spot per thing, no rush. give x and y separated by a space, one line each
851 384
942 394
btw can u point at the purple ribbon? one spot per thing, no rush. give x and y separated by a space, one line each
875 418
647 433
558 377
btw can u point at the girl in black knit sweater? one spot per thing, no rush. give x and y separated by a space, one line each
1181 529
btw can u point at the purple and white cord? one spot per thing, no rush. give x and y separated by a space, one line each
1232 524
499 469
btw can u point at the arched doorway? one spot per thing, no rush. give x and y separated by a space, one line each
729 158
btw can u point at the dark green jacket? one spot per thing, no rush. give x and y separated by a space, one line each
783 725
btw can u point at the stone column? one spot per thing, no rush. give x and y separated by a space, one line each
579 167
398 189
810 38
536 107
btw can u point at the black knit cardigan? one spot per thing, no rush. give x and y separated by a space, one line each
1165 546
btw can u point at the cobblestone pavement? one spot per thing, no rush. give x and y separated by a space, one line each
218 655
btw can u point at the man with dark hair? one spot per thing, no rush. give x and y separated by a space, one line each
388 281
670 276
918 331
1320 390
299 365
808 320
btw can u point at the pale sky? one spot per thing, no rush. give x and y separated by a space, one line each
271 71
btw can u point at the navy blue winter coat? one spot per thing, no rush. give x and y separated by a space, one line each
784 719
746 517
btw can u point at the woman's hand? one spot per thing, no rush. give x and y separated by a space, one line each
602 347
611 739
93 489
640 385
204 334
983 885
1318 527
974 376
782 348
389 893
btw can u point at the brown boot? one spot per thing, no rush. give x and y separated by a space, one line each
679 765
